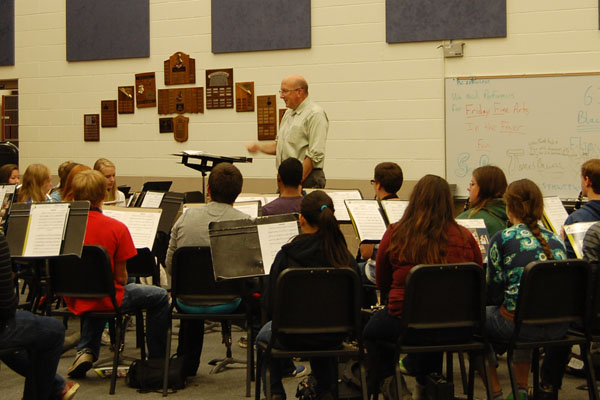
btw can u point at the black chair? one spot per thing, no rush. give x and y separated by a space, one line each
193 283
554 292
90 277
450 300
331 306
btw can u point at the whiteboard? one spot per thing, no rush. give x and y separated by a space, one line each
537 127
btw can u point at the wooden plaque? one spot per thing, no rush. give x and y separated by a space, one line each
219 88
145 88
91 127
108 112
165 125
265 117
180 125
180 69
281 114
126 97
244 96
185 100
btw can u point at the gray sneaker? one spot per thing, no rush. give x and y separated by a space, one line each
83 362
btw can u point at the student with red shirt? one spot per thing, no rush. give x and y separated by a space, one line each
426 234
116 239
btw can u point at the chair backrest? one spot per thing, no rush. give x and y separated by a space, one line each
317 301
88 277
143 265
440 296
554 292
193 281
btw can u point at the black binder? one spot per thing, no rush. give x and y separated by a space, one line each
235 246
74 230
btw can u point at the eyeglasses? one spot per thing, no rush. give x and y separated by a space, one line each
286 91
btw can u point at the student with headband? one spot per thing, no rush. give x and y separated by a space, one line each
321 244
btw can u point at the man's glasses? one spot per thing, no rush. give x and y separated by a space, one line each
286 91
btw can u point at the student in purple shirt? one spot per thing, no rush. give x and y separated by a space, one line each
289 178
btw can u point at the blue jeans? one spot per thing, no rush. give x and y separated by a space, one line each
499 328
44 336
137 297
321 367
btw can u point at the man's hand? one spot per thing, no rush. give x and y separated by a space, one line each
252 148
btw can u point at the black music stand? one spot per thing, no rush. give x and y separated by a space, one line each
207 162
235 246
72 243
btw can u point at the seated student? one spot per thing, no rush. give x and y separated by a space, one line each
426 234
387 181
321 244
36 184
63 172
108 169
510 251
590 188
67 189
486 188
43 336
191 229
115 238
289 182
9 174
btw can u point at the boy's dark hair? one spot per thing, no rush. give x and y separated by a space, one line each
591 169
290 172
389 175
225 182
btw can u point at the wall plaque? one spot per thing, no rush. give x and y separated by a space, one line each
145 88
180 126
180 69
265 117
244 96
91 127
126 97
219 88
108 113
165 125
184 100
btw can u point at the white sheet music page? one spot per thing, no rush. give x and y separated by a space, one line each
152 199
47 223
341 214
555 213
394 209
142 225
248 207
367 219
271 237
575 234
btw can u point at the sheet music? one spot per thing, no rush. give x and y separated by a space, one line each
243 197
271 237
142 225
248 207
7 193
394 209
269 198
152 199
338 198
368 221
575 233
555 213
46 229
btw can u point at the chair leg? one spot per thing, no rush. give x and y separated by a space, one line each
267 377
470 389
398 378
118 337
590 374
258 374
463 371
139 333
363 380
486 375
535 366
249 360
511 373
167 359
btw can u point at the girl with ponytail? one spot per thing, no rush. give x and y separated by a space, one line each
321 244
510 251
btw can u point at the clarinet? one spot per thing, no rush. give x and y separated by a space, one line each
578 202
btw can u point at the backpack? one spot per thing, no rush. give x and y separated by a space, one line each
147 375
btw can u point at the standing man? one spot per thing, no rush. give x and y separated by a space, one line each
302 133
